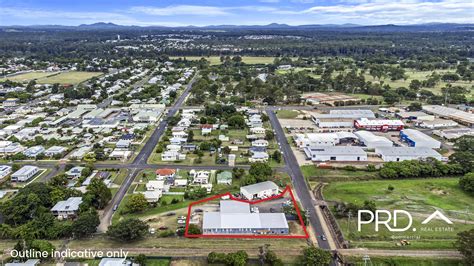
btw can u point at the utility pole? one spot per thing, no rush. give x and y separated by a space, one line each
366 260
349 215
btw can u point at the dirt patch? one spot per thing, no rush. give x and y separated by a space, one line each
440 192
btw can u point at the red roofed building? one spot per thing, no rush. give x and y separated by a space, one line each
206 129
165 173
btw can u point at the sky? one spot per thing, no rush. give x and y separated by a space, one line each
234 12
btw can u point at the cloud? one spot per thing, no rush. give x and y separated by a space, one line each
402 12
180 10
269 1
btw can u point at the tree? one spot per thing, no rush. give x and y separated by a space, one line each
269 135
272 259
276 156
194 230
98 194
41 246
128 229
238 258
260 170
236 121
467 182
416 106
190 137
140 259
136 203
391 97
465 245
315 256
86 224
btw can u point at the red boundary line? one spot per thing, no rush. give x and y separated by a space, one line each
287 189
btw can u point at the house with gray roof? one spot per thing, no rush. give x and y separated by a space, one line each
67 209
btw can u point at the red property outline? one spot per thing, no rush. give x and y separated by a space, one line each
287 189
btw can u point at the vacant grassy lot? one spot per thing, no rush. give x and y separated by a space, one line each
315 174
287 114
215 60
72 77
25 77
420 197
405 261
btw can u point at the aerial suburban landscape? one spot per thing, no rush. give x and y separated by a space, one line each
224 143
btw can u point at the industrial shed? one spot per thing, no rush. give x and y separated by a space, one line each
396 154
372 141
336 153
259 190
416 138
235 218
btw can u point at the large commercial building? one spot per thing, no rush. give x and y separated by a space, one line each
459 116
235 218
4 171
340 118
323 139
383 125
396 154
372 141
416 138
452 134
335 153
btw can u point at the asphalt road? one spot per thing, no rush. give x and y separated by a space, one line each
140 161
299 183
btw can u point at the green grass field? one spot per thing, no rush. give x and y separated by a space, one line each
420 197
315 174
215 60
405 261
72 77
25 77
287 114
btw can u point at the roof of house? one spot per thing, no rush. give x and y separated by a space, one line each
25 170
71 204
233 206
165 171
225 175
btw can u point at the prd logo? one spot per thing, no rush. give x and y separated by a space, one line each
389 220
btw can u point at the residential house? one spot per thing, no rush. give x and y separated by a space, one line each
172 156
224 177
67 209
24 173
257 130
152 196
260 143
259 157
206 129
54 150
5 170
75 172
165 173
200 177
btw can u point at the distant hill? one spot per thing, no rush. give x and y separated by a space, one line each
272 26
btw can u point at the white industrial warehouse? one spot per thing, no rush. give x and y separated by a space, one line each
396 154
335 153
372 141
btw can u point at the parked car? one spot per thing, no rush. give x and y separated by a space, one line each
115 207
163 228
170 214
198 210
